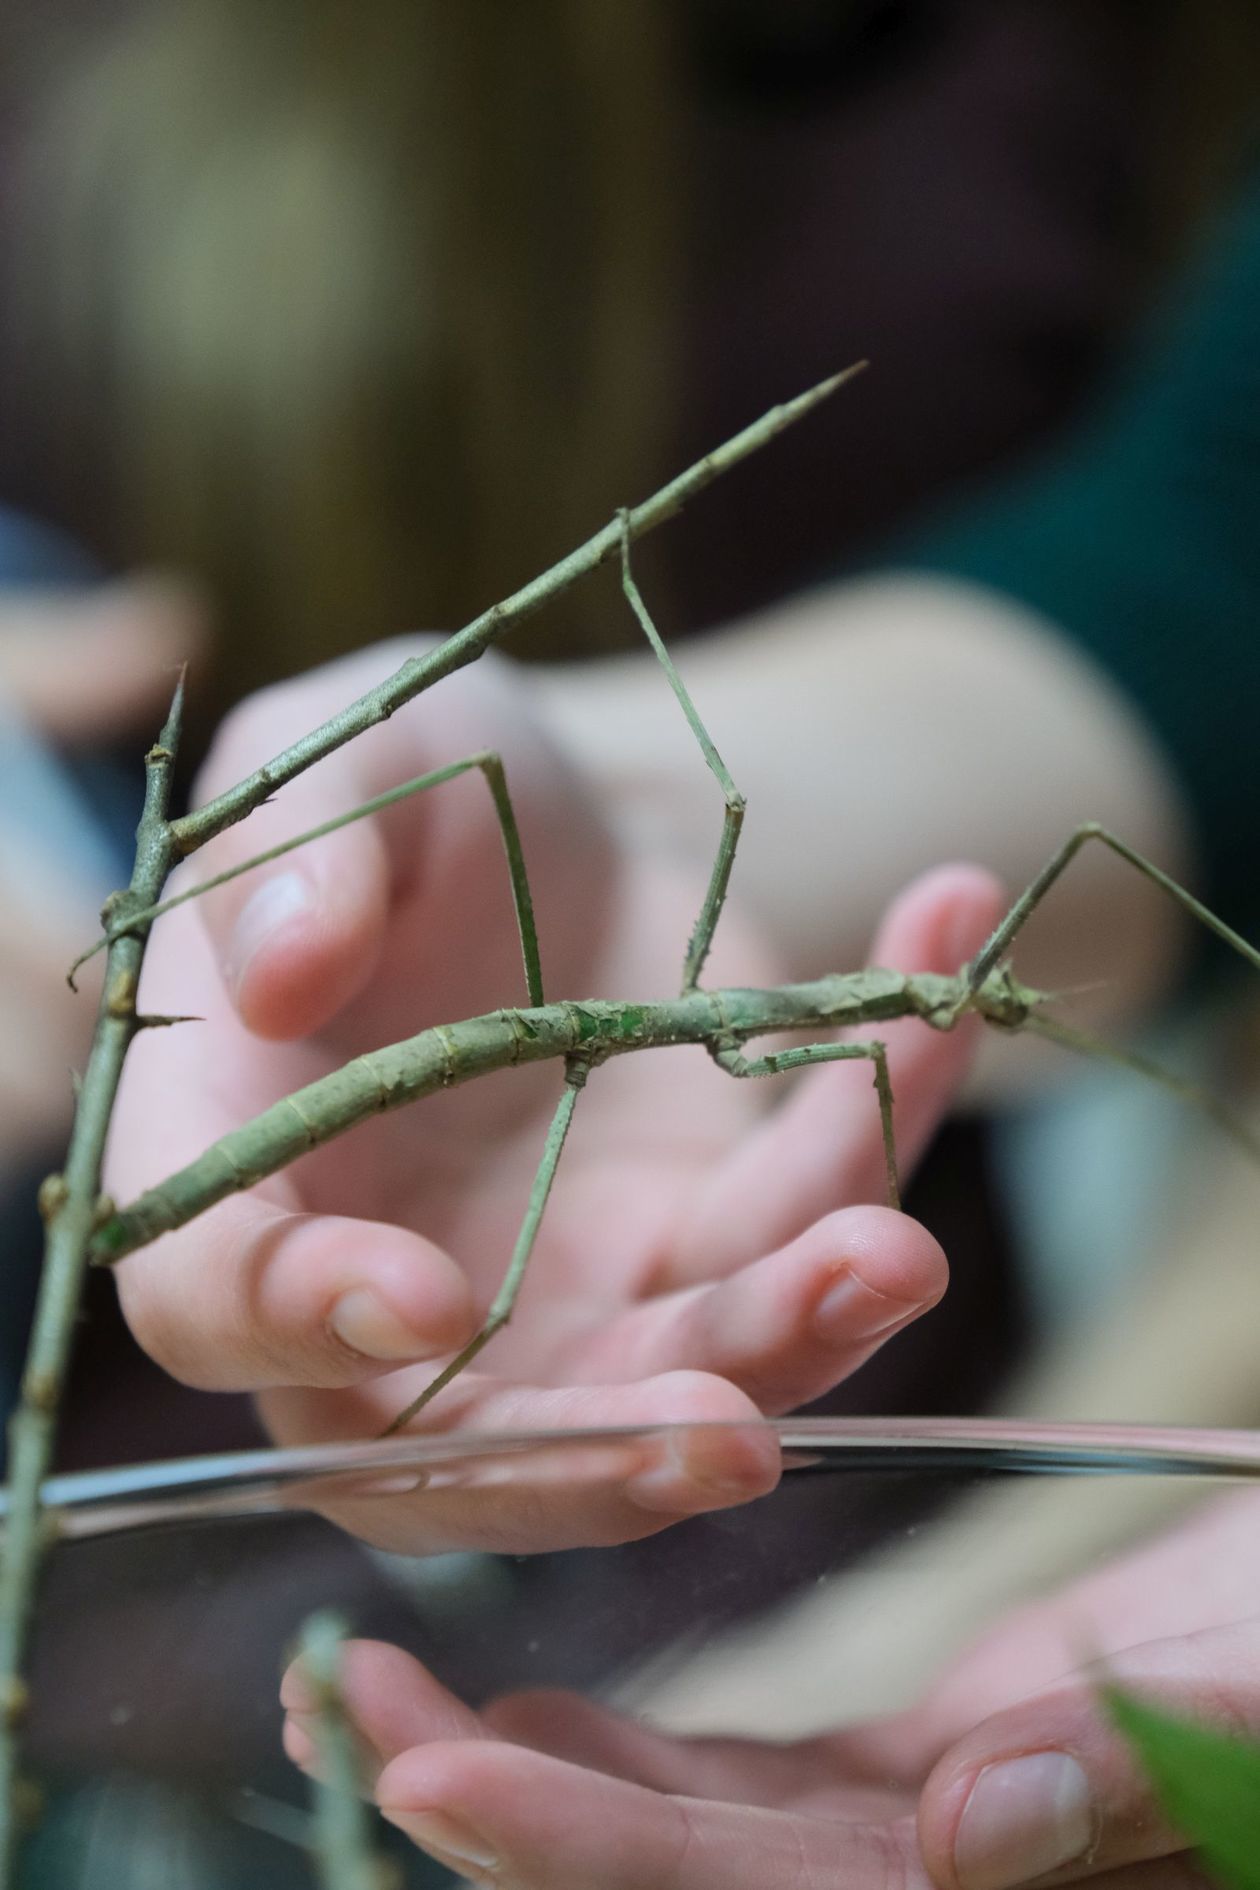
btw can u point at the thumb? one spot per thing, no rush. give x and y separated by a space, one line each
89 664
1049 1788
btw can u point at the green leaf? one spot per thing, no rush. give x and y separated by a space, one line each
1207 1782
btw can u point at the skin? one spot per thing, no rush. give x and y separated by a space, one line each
563 1793
885 724
736 1218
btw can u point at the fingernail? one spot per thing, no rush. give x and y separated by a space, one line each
687 1467
850 1309
449 1841
1023 1818
365 1323
264 912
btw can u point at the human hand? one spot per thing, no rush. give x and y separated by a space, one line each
700 1259
547 1788
75 667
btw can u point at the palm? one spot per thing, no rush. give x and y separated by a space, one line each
694 1229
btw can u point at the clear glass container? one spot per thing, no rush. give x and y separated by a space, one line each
175 1592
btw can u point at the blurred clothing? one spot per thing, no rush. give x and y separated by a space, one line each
1139 537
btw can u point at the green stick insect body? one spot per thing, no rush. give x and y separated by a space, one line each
587 1034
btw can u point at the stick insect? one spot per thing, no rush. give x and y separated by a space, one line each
585 1035
82 1227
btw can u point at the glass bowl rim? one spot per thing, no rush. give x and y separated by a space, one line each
242 1483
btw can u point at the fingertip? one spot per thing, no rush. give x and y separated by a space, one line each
376 1295
941 919
298 1745
716 1449
298 946
889 1252
1014 1820
265 1310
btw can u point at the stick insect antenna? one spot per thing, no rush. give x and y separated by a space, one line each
490 765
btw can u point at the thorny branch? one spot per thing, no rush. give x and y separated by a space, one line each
341 1842
70 1204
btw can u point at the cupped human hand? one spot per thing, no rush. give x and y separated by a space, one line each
1008 1774
712 1250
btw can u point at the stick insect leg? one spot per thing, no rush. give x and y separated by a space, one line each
733 819
996 946
735 1063
490 765
575 1074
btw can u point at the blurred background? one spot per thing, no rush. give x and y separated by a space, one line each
321 321
329 319
359 315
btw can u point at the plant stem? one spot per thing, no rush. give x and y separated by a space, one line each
341 1832
71 1204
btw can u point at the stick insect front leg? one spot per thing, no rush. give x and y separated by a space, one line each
733 1061
996 947
576 1070
491 767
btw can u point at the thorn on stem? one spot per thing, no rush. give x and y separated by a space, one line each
53 1193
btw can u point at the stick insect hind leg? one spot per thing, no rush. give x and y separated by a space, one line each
576 1070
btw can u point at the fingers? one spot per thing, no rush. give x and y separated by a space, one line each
1050 1786
423 882
509 1816
698 1445
393 1701
396 1704
271 1297
296 939
822 1149
91 663
747 1771
515 1817
790 1326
